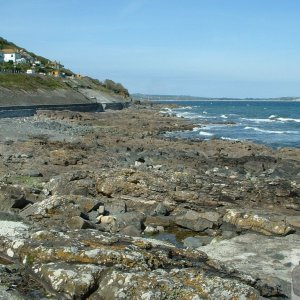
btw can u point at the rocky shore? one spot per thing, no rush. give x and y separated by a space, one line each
105 206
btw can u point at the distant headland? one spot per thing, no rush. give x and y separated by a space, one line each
158 97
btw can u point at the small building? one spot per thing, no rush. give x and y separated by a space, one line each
30 72
1 57
11 55
55 73
21 60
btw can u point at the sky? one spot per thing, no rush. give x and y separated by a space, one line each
209 48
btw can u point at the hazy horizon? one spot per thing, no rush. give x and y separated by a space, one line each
205 48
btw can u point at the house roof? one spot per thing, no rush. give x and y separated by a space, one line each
9 51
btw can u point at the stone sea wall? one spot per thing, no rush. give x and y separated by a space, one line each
30 110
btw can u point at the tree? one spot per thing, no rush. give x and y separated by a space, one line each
117 88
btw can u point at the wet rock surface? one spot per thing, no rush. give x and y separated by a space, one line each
104 206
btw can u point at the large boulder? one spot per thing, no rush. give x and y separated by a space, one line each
89 264
268 260
12 197
69 211
75 183
74 280
128 219
265 222
198 221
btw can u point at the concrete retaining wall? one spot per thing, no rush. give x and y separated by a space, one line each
26 111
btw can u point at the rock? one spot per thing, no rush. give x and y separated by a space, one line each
184 196
63 157
130 218
12 197
13 229
74 183
74 280
150 230
131 231
192 242
75 263
106 219
196 241
192 220
159 221
8 216
93 216
293 221
6 293
257 220
70 205
160 210
139 204
226 235
91 178
101 209
212 232
32 173
174 284
115 207
160 228
296 282
211 216
79 223
258 256
124 182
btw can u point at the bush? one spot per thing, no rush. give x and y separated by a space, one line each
117 88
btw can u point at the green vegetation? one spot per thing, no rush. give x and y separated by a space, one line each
30 82
30 182
117 88
6 44
11 68
13 75
108 86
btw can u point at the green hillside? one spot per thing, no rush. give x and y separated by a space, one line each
13 75
30 83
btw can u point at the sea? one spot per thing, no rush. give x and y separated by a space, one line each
273 123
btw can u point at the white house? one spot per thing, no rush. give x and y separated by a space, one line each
1 57
11 55
21 60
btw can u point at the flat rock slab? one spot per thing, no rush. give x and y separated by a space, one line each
270 259
268 223
85 264
12 228
6 294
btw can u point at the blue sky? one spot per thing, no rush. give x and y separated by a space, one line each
213 48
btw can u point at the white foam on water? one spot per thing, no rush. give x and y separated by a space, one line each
166 110
185 107
228 139
205 133
271 131
272 117
288 120
196 128
258 120
187 115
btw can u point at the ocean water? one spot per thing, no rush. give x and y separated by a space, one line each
274 123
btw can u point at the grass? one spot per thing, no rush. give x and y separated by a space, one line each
30 182
30 82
